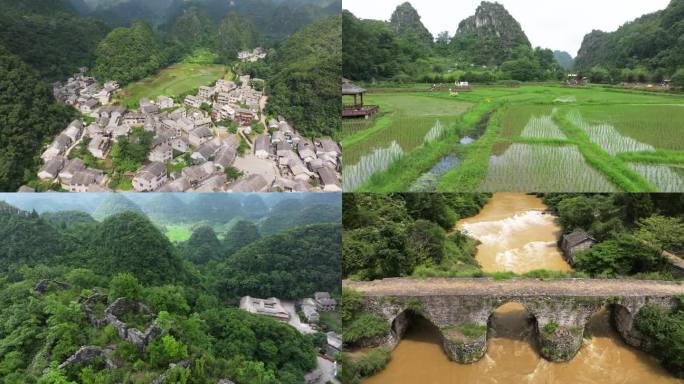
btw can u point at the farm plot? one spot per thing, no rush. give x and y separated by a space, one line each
378 160
531 121
607 137
667 179
541 168
660 126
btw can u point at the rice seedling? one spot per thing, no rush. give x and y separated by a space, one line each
435 132
667 179
607 137
543 127
539 168
377 161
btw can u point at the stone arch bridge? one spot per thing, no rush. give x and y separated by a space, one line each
461 309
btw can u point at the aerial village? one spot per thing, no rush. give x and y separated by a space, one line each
256 155
305 316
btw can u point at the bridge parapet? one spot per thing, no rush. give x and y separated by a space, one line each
462 309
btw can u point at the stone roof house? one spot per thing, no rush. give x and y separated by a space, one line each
71 167
98 146
574 242
164 102
51 168
161 153
83 181
262 146
324 302
329 180
200 136
181 184
225 157
310 312
150 177
251 183
197 174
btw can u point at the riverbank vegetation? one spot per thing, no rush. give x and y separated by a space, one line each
665 330
631 230
408 234
59 263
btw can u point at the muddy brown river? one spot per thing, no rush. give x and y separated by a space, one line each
517 236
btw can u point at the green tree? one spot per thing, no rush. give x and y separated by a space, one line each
165 350
124 285
666 233
240 235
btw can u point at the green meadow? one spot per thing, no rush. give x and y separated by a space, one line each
537 137
178 79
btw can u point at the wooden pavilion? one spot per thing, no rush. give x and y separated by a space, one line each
357 109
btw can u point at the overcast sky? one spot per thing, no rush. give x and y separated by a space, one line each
551 24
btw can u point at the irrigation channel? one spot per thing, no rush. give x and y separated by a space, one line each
518 235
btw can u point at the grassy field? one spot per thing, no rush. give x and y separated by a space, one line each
194 71
539 138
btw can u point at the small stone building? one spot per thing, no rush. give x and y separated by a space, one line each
574 242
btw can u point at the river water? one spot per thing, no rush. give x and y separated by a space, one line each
518 236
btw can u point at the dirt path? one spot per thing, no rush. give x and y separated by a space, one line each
516 287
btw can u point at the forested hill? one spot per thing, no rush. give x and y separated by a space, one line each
405 22
488 46
652 42
491 36
59 271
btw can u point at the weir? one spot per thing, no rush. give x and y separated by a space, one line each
461 309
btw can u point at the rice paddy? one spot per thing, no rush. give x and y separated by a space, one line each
667 179
541 168
546 139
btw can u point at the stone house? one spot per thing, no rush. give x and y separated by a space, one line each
206 92
150 177
98 146
200 136
329 180
83 181
265 307
198 174
251 183
205 152
324 302
193 101
134 119
74 130
306 150
164 102
161 153
51 168
181 184
310 312
225 157
225 85
71 167
262 146
574 242
146 106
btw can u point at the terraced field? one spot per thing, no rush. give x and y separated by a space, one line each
541 138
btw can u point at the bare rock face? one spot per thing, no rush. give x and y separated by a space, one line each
43 286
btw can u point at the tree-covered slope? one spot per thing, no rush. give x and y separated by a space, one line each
405 22
47 36
491 36
114 203
29 117
564 59
653 41
289 265
305 86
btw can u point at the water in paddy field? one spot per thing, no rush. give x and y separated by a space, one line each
516 235
512 357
